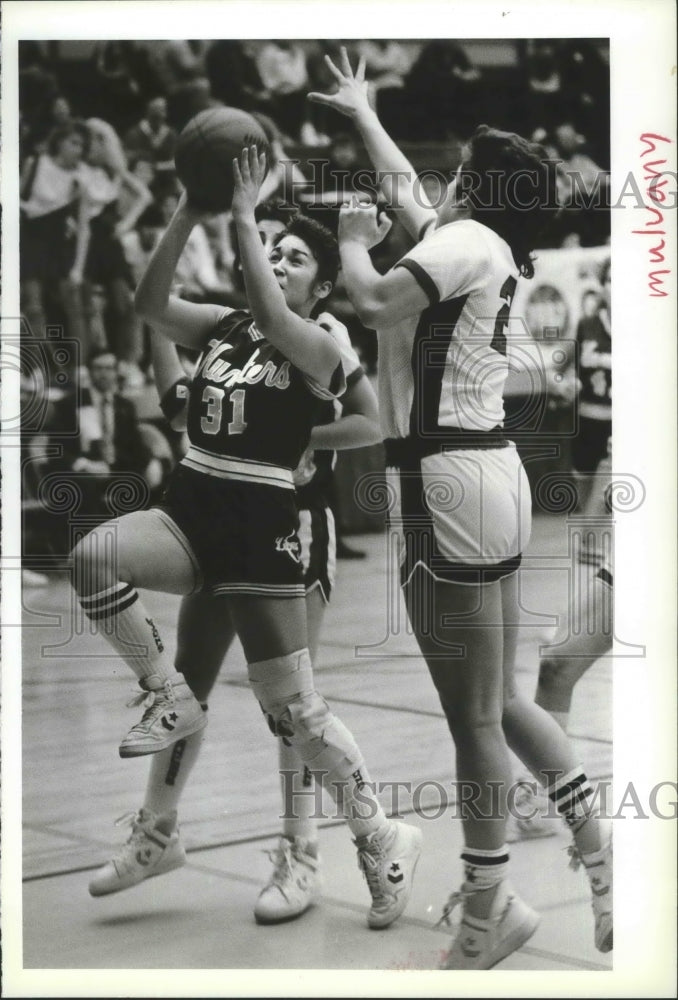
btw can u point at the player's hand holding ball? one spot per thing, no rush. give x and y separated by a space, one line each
249 172
358 223
205 151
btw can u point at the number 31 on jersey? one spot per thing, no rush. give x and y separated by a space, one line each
210 423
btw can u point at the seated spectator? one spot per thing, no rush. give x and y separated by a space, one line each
233 76
108 450
180 66
443 91
196 275
115 199
387 64
144 169
284 178
585 76
38 88
122 75
54 231
582 191
152 138
54 114
281 66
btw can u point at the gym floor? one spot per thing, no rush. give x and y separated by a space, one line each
200 917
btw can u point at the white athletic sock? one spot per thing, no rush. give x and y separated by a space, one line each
484 871
301 796
571 793
170 770
124 622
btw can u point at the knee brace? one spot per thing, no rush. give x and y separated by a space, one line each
302 718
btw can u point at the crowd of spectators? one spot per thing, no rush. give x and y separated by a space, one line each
98 135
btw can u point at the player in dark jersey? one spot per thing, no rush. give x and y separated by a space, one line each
461 506
584 634
228 521
594 340
205 634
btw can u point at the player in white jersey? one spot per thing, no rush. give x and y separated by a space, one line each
461 502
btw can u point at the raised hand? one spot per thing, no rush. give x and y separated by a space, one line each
358 223
249 174
351 96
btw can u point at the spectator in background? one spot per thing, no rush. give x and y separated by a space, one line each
543 104
152 138
442 93
325 119
144 169
115 200
108 449
38 87
196 275
594 371
233 75
585 76
284 178
582 190
122 74
387 64
54 114
281 66
54 232
181 68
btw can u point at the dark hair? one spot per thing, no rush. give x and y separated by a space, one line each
511 188
605 269
275 211
62 132
321 242
151 216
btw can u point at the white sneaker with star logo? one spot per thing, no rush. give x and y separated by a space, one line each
388 863
149 851
482 944
294 883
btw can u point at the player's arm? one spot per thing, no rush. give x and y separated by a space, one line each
307 346
358 424
395 172
171 380
185 323
378 299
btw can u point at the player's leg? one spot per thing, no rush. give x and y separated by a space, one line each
273 634
540 743
295 881
575 648
458 629
143 549
204 635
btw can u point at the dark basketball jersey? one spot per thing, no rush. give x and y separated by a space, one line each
317 492
250 410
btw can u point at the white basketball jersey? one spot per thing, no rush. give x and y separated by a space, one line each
445 367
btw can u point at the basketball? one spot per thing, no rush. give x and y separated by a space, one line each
205 152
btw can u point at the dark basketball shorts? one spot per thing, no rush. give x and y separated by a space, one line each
243 536
462 515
